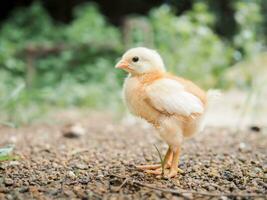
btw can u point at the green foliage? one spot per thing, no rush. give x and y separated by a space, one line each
32 25
79 75
189 45
26 26
74 63
249 39
88 27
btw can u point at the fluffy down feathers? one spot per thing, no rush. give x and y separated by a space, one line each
170 96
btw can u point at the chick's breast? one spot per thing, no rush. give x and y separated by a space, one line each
135 99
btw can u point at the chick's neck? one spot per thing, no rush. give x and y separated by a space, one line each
147 78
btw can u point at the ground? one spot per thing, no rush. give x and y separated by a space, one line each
218 163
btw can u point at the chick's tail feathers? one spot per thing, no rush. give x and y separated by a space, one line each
213 96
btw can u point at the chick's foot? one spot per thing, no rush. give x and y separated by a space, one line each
173 172
155 172
149 167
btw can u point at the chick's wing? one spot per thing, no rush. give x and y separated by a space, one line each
170 96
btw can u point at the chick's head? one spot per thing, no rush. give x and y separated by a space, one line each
141 60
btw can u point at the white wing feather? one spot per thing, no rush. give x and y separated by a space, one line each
170 96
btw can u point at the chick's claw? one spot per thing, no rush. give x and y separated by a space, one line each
149 167
155 172
171 174
166 173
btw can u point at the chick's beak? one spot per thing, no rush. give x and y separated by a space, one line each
122 65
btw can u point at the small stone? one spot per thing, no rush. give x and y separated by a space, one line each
8 181
213 173
77 189
71 175
73 131
257 170
210 188
228 175
188 195
55 165
24 189
14 163
242 146
13 139
255 128
254 162
100 176
9 197
84 181
242 159
140 174
81 166
9 164
223 198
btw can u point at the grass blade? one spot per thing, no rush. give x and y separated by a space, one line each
161 159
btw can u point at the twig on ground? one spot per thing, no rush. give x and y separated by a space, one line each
183 193
178 192
123 183
130 180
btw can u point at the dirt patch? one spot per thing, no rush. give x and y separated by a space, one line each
100 164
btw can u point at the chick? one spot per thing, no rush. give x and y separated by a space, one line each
173 105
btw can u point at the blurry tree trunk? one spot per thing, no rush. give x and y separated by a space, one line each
34 52
134 24
31 70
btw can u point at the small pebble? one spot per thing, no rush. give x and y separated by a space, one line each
73 131
255 128
188 196
24 189
8 181
242 146
257 170
71 174
228 175
14 163
223 198
242 159
81 166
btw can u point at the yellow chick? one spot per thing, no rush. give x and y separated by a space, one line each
173 105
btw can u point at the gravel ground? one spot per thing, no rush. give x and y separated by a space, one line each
100 164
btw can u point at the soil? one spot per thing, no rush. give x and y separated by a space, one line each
100 164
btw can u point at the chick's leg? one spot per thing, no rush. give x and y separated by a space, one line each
166 164
174 165
168 158
152 168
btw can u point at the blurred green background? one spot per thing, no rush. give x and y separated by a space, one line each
61 54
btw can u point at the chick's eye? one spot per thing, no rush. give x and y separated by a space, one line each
135 59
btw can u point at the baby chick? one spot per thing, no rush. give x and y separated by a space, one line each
173 105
